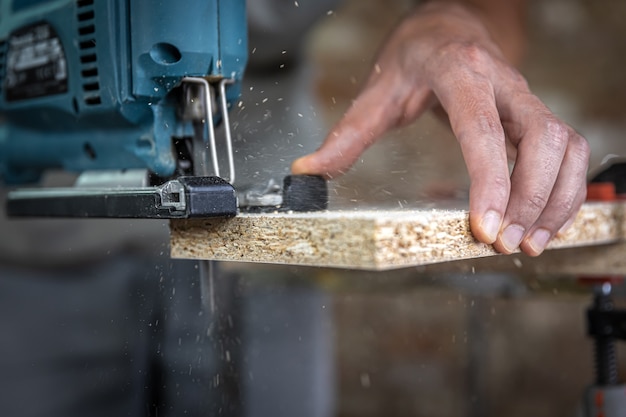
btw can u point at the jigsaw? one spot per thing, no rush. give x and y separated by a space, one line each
127 93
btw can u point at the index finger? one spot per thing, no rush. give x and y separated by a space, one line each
382 105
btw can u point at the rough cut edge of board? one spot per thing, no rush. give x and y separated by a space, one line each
373 239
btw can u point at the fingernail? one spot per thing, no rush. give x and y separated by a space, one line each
490 225
539 240
512 236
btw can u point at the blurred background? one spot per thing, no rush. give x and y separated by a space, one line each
486 345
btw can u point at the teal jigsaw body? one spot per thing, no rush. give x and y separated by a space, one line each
90 84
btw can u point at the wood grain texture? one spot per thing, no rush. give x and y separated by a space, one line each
373 239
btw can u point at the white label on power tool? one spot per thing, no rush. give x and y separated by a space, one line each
36 63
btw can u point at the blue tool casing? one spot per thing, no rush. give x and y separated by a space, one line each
87 84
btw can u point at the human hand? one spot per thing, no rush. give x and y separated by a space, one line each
444 56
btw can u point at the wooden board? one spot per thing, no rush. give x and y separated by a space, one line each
372 239
593 260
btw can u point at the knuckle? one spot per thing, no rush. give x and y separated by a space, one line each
488 123
497 185
556 132
566 205
559 136
472 53
484 124
468 54
501 182
537 202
